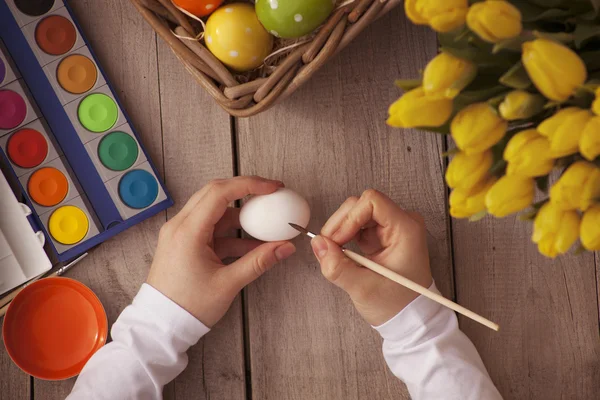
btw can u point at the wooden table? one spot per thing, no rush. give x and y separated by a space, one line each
292 335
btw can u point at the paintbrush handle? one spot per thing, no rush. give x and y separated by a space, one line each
373 266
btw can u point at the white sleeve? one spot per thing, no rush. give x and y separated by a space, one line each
424 347
148 350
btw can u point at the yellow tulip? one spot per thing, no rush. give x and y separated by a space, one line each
477 127
415 108
564 130
441 15
555 230
577 188
512 193
589 143
556 70
465 203
446 75
466 171
494 21
590 228
520 104
596 103
528 154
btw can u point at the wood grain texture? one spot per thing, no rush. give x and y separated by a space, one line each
126 49
198 148
548 345
330 141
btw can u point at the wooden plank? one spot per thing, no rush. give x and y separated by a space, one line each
330 141
548 345
127 52
198 148
14 383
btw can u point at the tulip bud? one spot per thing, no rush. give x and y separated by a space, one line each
477 127
589 143
446 75
577 188
556 70
596 103
564 130
528 154
555 230
590 228
512 193
441 15
520 104
465 203
494 21
466 171
415 108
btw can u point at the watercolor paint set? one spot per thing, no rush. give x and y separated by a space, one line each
66 144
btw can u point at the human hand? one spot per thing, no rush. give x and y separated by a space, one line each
188 266
387 235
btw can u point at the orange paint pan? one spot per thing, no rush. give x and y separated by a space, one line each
53 327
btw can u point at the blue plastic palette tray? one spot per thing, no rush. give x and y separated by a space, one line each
64 136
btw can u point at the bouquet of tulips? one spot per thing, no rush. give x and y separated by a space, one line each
517 86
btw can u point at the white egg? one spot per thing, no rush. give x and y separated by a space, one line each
267 217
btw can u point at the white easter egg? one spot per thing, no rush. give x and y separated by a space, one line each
267 217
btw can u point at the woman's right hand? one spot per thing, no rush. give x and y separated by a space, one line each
386 234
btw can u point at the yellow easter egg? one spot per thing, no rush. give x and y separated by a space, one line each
236 37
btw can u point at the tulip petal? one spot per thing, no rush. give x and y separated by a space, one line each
589 143
590 228
510 194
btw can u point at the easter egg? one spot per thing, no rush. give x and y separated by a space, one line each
267 217
236 37
293 18
199 8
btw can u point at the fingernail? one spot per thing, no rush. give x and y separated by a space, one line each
280 184
319 246
284 251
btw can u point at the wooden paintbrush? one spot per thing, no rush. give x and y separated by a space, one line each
407 283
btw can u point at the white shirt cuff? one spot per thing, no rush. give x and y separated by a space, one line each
172 317
414 316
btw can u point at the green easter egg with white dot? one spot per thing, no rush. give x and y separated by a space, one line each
293 18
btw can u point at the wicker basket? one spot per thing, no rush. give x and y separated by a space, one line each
247 95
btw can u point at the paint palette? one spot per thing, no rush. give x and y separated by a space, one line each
64 137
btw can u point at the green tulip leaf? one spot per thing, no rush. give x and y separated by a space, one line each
591 59
479 216
516 77
542 183
513 44
533 13
584 32
590 86
548 3
498 168
408 84
468 97
451 152
444 129
561 37
496 101
552 104
528 216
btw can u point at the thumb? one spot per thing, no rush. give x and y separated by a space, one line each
258 261
335 266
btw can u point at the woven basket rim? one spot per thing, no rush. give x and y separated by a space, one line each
257 95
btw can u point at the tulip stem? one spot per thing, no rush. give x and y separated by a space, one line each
476 217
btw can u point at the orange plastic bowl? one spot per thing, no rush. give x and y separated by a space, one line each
53 327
